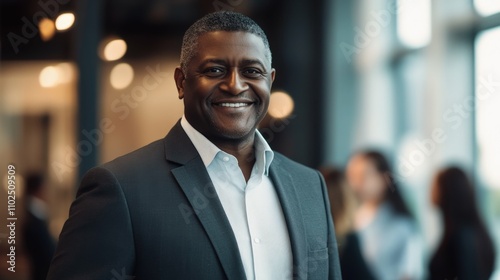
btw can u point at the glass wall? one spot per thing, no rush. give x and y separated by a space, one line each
420 81
487 108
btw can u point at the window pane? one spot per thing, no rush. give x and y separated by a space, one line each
487 7
487 106
414 22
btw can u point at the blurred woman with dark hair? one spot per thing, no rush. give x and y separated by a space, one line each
466 249
387 232
342 201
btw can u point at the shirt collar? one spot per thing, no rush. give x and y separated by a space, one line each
207 150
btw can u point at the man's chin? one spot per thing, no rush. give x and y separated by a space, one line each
234 133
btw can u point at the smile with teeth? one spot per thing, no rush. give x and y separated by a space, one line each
234 105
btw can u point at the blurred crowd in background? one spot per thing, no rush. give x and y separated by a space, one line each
379 237
397 102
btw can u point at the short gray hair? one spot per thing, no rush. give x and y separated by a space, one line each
219 21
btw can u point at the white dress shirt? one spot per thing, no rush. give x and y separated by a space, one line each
252 208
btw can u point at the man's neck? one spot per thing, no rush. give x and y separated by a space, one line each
242 149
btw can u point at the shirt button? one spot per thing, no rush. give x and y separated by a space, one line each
256 240
226 159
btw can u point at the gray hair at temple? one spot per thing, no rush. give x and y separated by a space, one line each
219 21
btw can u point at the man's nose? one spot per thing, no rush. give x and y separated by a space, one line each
234 83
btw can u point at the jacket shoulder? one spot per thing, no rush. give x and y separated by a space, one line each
145 157
294 167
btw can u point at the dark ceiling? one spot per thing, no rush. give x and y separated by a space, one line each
151 28
146 25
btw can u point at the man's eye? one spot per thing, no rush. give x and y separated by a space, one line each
252 72
213 71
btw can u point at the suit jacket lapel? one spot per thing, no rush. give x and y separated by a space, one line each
195 182
285 189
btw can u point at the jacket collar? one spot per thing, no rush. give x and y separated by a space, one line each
195 182
287 194
178 147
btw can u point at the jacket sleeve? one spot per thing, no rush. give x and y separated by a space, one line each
96 241
334 272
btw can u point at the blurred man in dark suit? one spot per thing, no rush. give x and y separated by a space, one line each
38 242
211 200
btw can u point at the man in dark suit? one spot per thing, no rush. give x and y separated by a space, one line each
211 200
38 243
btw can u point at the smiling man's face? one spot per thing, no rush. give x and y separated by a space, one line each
227 85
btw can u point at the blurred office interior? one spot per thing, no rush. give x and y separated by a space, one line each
82 82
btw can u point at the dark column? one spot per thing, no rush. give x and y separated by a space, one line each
298 32
88 35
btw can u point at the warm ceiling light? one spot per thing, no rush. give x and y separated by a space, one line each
65 21
52 76
121 76
47 29
280 105
66 72
49 77
114 50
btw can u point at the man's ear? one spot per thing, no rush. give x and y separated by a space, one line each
179 81
273 75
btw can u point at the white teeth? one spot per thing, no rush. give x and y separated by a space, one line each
235 105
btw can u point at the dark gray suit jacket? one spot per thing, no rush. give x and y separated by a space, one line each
154 214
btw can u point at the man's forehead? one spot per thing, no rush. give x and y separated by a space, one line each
231 38
219 44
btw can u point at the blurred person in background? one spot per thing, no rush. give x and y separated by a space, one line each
343 204
466 249
39 244
341 201
388 234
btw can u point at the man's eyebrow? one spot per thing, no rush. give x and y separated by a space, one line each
253 61
214 60
244 62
